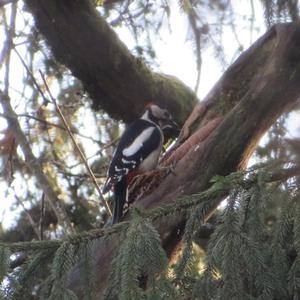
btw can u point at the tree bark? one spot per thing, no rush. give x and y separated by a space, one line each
117 82
261 85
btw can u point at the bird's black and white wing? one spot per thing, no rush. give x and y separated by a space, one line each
139 146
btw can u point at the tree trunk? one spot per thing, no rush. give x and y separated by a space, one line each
262 84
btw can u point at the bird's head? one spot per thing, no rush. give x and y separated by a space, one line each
160 116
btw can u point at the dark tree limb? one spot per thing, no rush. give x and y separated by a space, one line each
270 70
262 84
116 81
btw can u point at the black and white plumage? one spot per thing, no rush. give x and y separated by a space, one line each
137 152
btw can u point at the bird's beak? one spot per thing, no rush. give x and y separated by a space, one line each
170 129
171 124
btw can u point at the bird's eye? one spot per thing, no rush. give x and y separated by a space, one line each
166 114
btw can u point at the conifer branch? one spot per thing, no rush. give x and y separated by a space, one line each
72 239
207 199
284 174
4 261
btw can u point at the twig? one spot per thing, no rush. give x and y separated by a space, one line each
233 27
80 176
9 42
30 219
104 202
252 19
42 214
103 146
14 125
110 144
57 126
284 174
192 19
66 125
31 76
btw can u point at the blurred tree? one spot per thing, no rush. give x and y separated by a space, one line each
164 248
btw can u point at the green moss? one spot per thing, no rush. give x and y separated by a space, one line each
181 99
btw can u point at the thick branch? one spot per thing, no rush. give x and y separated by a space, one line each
272 88
264 82
116 81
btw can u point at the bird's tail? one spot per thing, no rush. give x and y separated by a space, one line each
107 185
120 199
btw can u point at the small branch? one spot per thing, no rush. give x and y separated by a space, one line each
109 144
9 32
57 126
42 214
197 35
34 165
103 146
109 2
284 174
103 201
233 27
14 125
252 19
81 176
30 219
192 19
31 76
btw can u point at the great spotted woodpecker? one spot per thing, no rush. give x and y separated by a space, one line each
137 152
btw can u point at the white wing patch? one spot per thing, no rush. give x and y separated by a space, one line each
137 144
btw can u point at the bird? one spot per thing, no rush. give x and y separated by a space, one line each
137 152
